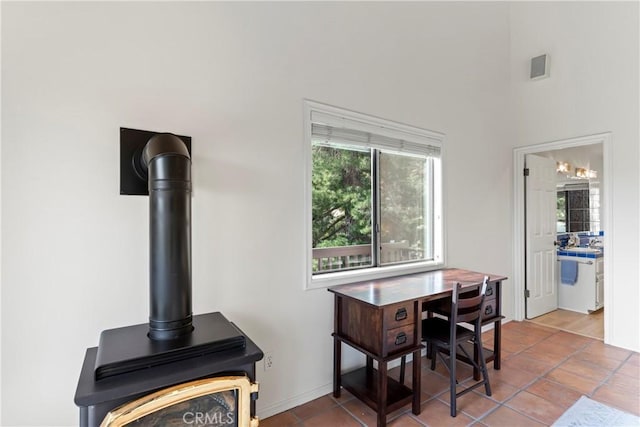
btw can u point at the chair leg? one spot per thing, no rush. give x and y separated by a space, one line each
402 369
476 357
434 354
430 353
452 379
483 366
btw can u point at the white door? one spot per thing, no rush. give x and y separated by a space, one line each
540 198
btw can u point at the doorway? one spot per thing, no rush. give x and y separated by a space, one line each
519 235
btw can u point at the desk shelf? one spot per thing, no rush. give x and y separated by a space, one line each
364 386
469 348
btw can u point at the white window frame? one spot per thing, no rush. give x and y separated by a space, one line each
315 112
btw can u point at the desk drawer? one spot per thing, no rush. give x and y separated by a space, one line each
399 314
490 308
399 338
491 291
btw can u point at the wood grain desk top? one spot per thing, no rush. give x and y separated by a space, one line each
426 286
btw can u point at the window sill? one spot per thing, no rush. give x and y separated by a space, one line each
326 280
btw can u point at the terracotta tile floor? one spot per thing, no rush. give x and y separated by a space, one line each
591 325
544 371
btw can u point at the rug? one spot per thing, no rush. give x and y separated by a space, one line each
589 413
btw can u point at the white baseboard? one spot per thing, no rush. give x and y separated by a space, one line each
292 402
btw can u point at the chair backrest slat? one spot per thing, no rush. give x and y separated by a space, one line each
469 302
467 309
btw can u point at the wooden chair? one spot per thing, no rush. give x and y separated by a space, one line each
448 336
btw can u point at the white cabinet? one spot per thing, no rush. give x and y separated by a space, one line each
599 283
587 294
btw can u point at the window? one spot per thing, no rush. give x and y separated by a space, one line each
561 212
374 194
578 207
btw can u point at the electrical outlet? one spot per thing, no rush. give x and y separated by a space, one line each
268 361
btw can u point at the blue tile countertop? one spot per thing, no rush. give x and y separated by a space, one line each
581 252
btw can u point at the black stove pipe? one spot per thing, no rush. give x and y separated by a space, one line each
169 170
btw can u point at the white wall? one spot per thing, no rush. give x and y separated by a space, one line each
1 245
593 87
232 76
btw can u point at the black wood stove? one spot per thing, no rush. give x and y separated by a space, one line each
174 347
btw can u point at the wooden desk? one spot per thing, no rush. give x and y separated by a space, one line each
382 319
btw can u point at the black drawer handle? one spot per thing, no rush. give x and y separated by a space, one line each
401 314
489 291
488 310
401 338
